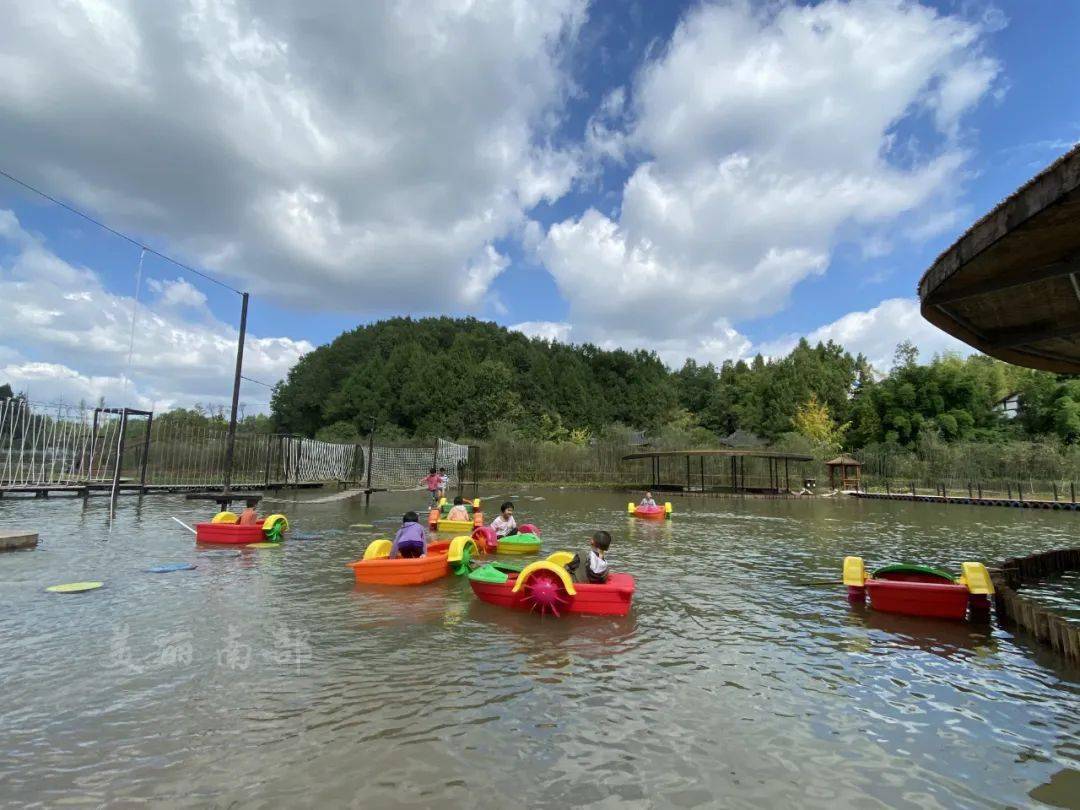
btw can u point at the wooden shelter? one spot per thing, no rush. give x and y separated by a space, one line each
849 468
1010 286
719 470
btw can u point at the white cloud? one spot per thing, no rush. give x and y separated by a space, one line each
545 330
876 332
767 132
177 293
66 336
339 157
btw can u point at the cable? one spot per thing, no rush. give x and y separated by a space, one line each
257 382
115 232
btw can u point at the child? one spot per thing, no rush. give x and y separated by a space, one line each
248 516
444 480
411 539
458 512
505 525
647 500
432 482
596 566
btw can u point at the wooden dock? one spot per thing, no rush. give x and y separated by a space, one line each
89 490
1018 503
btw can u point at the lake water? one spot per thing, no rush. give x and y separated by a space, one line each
270 680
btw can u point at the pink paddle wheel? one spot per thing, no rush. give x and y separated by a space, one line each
544 592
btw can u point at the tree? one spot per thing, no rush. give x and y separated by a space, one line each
813 421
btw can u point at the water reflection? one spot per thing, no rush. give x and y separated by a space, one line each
731 682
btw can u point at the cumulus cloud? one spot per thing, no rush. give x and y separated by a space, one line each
66 336
554 331
876 332
765 132
335 155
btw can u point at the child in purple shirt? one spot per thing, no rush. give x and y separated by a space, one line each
411 539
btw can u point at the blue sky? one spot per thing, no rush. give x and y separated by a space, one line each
705 180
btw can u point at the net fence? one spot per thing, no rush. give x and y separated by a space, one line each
404 468
77 445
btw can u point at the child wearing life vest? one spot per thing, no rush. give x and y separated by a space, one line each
411 539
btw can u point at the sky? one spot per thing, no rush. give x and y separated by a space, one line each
703 180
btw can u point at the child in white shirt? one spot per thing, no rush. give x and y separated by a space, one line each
504 524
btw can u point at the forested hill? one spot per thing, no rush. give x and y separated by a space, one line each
464 378
449 377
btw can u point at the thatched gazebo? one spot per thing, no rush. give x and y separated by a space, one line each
850 469
1010 286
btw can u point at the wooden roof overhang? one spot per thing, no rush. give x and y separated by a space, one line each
1010 286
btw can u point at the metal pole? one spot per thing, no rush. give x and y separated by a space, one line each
230 442
145 452
370 462
269 451
703 474
119 462
787 477
93 443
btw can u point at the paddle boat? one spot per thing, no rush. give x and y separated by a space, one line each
657 512
225 529
526 541
437 520
546 587
921 590
442 558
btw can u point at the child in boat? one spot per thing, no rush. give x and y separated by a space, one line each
458 511
595 570
505 525
444 480
411 539
647 500
432 482
248 517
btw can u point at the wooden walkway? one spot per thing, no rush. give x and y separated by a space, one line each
88 490
1026 503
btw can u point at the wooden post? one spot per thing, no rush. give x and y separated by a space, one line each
912 489
119 462
703 474
1072 491
370 462
787 476
687 473
145 452
1055 491
1020 491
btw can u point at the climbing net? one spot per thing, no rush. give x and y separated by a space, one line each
404 468
54 444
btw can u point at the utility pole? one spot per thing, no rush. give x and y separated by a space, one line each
230 441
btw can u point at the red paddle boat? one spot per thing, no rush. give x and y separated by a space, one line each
656 512
920 590
546 587
225 529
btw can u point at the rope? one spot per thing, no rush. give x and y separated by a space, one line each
115 232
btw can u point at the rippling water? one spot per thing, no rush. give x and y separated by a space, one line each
269 680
